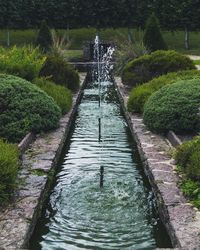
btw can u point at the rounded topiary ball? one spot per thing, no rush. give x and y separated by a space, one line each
24 108
174 107
147 67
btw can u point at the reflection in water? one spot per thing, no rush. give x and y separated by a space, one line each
81 215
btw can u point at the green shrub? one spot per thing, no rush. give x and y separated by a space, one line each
61 95
140 94
174 107
9 164
190 188
24 108
44 39
153 39
60 72
25 62
158 63
188 158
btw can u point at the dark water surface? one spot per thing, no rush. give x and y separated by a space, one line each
80 215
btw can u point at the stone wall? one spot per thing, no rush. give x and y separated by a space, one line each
180 218
17 221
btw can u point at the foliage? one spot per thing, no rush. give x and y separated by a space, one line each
44 39
61 95
60 72
173 14
188 157
59 43
24 108
158 63
127 50
25 62
153 39
9 164
140 94
191 189
174 107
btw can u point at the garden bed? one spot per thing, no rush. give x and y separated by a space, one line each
180 218
17 221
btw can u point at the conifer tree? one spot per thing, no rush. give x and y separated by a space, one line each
44 38
153 39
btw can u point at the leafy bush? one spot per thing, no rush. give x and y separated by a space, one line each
25 62
9 163
157 63
60 72
174 107
24 108
44 39
188 158
61 95
140 94
153 39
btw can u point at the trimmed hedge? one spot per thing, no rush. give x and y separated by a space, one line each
61 95
158 63
140 94
9 164
25 62
24 108
174 107
60 72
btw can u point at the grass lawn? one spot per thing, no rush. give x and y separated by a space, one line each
196 62
77 37
73 55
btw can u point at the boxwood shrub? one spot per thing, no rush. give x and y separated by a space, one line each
24 108
61 95
60 72
140 94
160 62
9 164
174 107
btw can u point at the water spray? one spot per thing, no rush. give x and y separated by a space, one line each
103 72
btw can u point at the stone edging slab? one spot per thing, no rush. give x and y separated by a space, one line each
17 222
180 218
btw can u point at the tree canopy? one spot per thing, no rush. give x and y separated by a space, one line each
173 14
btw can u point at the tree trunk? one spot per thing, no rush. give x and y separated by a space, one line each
67 32
187 46
8 37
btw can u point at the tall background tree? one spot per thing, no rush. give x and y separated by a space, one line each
173 14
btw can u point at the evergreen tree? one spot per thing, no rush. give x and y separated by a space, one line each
153 39
44 38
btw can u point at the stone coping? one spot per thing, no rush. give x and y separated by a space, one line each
18 220
180 218
26 141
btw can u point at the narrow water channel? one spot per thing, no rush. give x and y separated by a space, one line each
80 214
